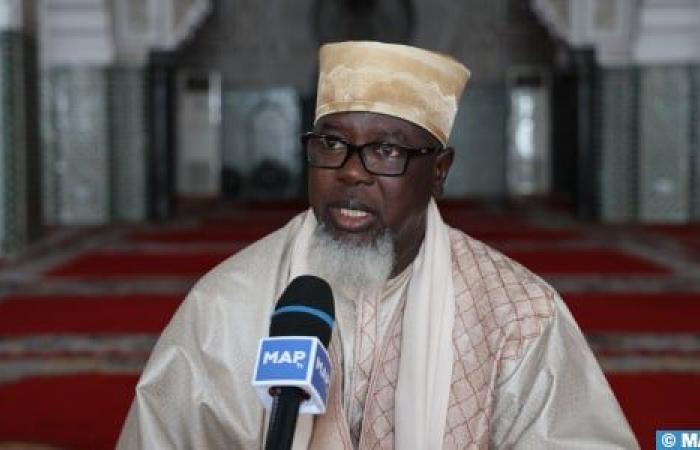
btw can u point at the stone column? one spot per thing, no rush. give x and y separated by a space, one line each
161 105
20 211
128 138
586 190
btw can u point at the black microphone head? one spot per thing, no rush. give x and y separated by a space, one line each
305 309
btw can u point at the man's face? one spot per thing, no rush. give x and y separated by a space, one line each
356 205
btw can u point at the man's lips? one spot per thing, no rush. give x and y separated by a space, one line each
351 218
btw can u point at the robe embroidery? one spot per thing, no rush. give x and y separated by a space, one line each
484 333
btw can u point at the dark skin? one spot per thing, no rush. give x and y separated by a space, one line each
398 204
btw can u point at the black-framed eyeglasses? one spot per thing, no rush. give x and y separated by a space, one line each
378 158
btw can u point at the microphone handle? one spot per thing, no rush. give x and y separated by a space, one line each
283 418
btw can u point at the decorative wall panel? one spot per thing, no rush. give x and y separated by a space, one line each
664 144
617 119
80 144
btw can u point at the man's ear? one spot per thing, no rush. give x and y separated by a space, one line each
443 162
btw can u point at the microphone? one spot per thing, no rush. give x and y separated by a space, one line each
292 369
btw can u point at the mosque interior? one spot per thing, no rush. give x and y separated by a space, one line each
145 141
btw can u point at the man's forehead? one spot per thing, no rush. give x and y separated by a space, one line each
377 125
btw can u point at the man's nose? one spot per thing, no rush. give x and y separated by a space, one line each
354 172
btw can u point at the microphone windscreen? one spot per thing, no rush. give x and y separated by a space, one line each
305 309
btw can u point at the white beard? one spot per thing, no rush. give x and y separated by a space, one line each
350 266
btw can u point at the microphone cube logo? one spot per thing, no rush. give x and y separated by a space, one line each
297 361
284 359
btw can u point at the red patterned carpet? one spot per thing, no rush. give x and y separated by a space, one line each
102 264
77 411
588 261
640 312
26 315
655 401
77 324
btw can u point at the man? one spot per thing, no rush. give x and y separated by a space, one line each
441 342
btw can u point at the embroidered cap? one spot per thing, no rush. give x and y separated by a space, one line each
417 85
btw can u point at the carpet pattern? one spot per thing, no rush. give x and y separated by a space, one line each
78 320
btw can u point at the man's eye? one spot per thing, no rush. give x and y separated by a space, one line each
333 144
389 151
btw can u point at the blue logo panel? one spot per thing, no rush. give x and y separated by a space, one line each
677 439
283 359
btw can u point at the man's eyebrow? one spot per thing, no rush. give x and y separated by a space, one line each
326 128
382 136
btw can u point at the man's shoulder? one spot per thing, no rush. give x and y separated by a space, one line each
480 263
260 260
503 297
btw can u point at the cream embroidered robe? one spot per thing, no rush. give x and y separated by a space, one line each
523 376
